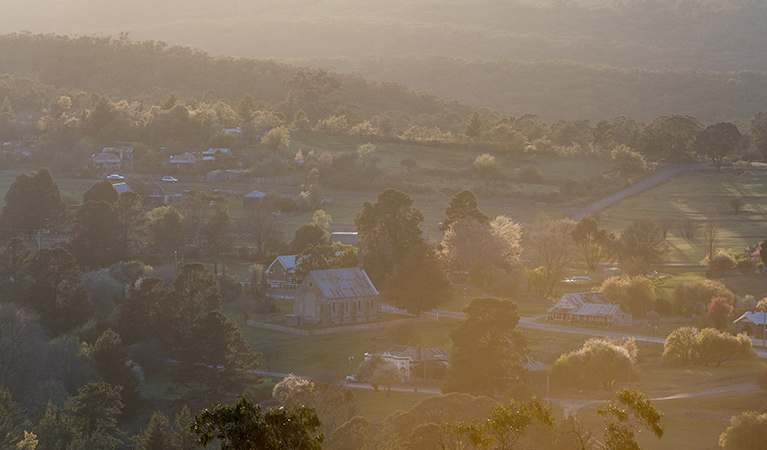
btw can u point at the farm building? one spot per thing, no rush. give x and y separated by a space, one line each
336 297
588 308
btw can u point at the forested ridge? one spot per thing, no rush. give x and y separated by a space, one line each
556 59
124 69
559 89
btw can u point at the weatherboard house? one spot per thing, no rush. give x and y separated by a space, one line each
752 323
336 297
281 271
588 308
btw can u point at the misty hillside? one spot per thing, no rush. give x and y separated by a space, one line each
153 71
658 35
578 59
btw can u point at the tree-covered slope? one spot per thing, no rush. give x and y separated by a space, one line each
150 70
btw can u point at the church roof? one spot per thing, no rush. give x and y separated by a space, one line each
344 283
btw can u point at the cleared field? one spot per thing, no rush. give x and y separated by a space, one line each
697 196
690 423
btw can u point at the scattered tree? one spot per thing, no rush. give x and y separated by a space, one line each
309 234
635 294
718 142
101 191
706 346
276 139
463 205
551 247
365 153
603 360
504 427
485 165
356 434
488 350
388 229
33 202
746 431
719 312
630 414
736 204
595 244
641 246
379 372
333 403
246 426
418 283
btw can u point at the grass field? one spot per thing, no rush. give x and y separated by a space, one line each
698 196
691 423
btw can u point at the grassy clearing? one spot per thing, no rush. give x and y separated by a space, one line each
375 406
329 355
697 196
690 423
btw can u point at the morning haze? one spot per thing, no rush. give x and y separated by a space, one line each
383 225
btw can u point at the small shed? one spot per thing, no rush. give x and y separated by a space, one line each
216 175
252 200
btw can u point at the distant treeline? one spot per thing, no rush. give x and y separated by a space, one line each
502 54
570 90
150 71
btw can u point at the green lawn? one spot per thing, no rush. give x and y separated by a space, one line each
315 355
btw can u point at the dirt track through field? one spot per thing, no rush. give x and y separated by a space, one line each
664 172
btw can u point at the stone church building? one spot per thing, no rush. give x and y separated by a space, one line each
336 297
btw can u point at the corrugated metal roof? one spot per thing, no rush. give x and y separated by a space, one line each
344 283
121 187
288 261
255 194
757 318
415 354
596 310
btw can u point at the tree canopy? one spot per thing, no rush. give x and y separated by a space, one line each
248 426
488 350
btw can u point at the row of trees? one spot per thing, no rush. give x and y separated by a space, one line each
73 126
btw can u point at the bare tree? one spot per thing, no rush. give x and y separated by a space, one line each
551 247
710 232
259 225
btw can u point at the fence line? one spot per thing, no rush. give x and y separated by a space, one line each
343 329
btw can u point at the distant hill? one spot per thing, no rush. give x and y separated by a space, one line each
559 59
568 90
123 69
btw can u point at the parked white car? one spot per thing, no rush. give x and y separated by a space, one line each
169 179
115 177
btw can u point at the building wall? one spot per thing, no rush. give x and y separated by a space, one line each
278 274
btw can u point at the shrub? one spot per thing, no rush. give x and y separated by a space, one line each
719 312
663 307
722 261
701 291
529 174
